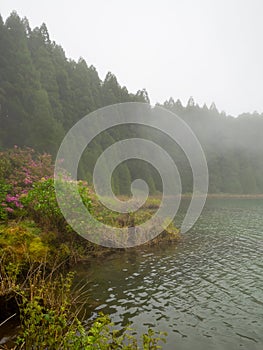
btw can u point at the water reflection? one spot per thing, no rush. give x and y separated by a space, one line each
206 292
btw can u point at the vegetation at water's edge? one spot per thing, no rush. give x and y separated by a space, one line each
49 315
28 196
34 237
43 94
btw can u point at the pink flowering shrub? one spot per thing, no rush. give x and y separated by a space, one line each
19 169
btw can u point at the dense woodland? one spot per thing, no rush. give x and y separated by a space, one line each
43 94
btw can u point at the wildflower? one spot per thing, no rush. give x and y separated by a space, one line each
27 181
18 205
10 198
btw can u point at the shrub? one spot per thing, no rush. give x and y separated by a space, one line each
19 169
41 203
4 207
20 243
48 321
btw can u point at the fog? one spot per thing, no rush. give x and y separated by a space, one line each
211 50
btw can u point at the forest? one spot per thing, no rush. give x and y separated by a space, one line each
43 94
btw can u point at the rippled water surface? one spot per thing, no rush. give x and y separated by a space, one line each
206 291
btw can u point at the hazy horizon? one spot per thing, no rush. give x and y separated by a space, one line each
211 51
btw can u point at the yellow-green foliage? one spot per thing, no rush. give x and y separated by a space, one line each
152 202
142 215
171 228
37 250
20 242
9 277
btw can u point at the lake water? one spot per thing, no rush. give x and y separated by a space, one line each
206 291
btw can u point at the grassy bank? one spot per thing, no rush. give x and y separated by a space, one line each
37 248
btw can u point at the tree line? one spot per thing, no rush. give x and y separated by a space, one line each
43 94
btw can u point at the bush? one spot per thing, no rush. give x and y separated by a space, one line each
48 321
21 243
41 203
4 207
19 169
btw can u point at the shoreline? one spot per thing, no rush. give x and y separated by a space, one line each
227 195
213 195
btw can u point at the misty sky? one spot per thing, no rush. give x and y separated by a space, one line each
211 50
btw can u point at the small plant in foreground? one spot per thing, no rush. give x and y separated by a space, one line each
50 321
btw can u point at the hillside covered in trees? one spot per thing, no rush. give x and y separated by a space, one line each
43 94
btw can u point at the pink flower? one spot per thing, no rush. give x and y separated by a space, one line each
18 205
27 181
10 198
10 210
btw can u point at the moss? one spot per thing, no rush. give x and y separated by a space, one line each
21 241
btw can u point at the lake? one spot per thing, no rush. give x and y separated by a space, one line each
206 291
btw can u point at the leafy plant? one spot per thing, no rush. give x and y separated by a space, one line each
4 207
41 202
19 170
21 243
48 321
